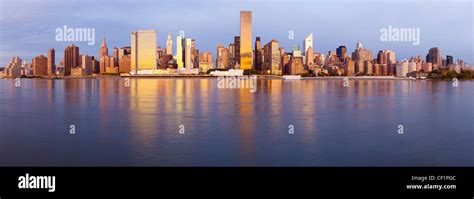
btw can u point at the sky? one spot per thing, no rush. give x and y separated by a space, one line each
28 27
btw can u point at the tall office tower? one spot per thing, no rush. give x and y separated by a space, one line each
449 60
232 55
194 54
124 51
169 45
361 54
434 57
205 61
350 68
40 65
258 60
71 59
179 52
104 51
308 43
381 58
95 65
86 65
341 52
143 56
390 57
222 57
116 55
237 51
272 58
245 40
51 61
124 64
284 63
187 54
309 57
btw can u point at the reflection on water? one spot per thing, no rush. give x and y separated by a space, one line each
139 124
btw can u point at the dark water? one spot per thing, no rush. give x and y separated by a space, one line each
333 125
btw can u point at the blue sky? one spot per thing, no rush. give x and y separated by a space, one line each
28 26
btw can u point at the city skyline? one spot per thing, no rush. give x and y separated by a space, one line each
458 45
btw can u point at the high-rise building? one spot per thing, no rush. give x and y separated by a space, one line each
272 58
361 54
116 55
179 52
232 61
258 60
187 54
169 45
143 56
309 57
205 61
449 60
194 54
222 57
71 59
124 65
51 61
434 57
237 51
341 53
245 40
402 69
104 51
308 43
350 68
86 64
40 65
13 68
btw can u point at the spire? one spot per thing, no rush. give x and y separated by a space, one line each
104 45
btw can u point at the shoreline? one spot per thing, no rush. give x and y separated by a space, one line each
212 77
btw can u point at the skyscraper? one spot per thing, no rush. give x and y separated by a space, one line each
341 52
179 52
237 51
143 56
245 40
51 61
272 58
449 60
103 49
308 43
116 55
169 45
187 53
258 60
71 58
40 65
222 57
434 57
